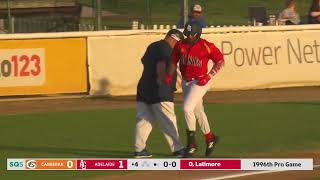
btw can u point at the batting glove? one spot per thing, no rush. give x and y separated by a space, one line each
168 79
203 80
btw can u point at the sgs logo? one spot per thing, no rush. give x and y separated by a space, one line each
16 164
31 164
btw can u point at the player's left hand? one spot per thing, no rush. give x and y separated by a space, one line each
203 80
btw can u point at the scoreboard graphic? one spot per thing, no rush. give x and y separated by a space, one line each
159 164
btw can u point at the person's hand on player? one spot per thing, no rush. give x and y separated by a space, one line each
203 80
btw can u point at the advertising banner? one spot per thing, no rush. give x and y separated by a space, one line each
43 66
253 60
267 59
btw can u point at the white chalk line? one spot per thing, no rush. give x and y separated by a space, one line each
250 174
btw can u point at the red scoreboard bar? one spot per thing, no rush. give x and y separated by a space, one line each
104 164
190 164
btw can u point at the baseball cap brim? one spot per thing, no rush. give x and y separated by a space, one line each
175 37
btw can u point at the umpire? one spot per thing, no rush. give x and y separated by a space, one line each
155 99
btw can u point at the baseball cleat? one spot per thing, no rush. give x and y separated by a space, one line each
192 149
191 143
142 154
211 145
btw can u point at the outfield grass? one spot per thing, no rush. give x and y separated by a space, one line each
217 12
245 130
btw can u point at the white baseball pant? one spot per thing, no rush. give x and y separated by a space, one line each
193 105
147 115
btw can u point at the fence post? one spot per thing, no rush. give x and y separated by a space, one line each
135 25
1 24
155 26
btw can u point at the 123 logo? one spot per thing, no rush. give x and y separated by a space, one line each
22 67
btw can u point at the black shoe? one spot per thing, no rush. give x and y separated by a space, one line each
180 154
192 145
211 145
142 154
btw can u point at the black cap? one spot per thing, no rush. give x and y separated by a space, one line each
175 34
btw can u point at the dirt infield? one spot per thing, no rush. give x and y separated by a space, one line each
49 104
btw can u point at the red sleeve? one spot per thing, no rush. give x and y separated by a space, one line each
175 55
216 56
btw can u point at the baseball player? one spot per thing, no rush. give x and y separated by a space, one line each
193 54
155 99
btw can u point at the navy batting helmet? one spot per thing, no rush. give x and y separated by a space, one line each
192 28
175 34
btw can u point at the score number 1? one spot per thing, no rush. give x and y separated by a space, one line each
121 165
